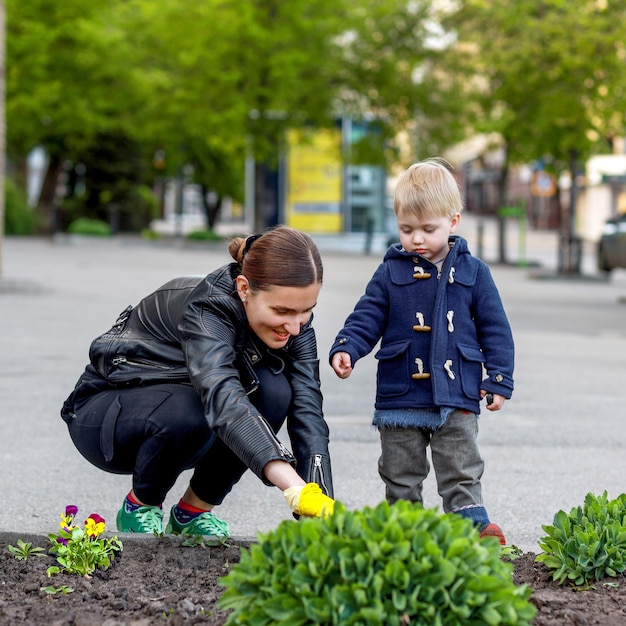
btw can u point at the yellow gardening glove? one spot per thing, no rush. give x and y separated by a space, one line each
309 501
314 502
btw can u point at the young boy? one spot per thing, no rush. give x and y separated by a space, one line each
443 327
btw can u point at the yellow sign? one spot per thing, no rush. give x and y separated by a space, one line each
314 181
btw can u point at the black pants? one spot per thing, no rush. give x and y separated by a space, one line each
157 432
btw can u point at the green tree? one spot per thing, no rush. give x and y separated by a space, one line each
248 71
548 75
209 83
229 77
391 71
69 79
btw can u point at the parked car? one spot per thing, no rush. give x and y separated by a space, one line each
612 244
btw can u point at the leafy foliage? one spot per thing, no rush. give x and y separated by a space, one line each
52 590
24 550
111 188
68 75
88 226
393 564
589 544
243 73
545 74
203 235
207 84
82 550
19 218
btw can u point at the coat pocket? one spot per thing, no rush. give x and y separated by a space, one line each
472 370
394 376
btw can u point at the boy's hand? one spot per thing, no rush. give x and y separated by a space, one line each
496 400
342 364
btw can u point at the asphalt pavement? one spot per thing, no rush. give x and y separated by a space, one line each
561 436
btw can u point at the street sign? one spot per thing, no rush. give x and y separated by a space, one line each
542 184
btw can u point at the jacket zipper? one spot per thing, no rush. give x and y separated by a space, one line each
119 360
317 470
281 446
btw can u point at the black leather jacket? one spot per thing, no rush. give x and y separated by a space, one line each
194 330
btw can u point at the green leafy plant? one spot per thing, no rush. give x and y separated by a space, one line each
24 550
510 552
81 550
19 218
589 544
393 564
203 235
89 226
51 590
148 233
189 540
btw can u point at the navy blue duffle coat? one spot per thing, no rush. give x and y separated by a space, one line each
444 333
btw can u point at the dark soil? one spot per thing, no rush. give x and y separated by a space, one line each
156 581
603 603
160 581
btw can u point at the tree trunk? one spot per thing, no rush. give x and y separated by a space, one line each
259 193
573 240
211 209
503 201
2 123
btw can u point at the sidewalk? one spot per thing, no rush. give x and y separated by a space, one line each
561 436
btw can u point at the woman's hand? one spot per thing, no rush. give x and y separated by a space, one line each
306 499
309 501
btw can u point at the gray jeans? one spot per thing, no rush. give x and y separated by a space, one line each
403 464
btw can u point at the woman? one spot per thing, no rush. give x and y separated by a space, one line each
202 374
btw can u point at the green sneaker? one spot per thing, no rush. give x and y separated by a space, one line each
206 524
145 519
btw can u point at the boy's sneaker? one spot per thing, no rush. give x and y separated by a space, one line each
493 530
143 519
206 524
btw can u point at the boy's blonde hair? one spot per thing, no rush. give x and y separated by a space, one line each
428 189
